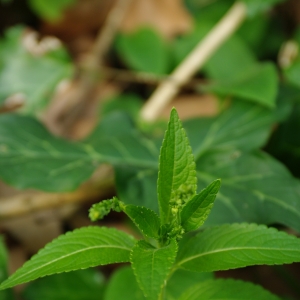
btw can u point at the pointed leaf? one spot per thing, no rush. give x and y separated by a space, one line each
82 248
152 265
196 211
236 246
176 167
227 289
145 219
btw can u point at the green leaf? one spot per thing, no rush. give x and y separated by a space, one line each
242 126
181 280
176 168
31 157
257 84
236 246
137 186
34 77
52 164
231 60
145 219
82 248
52 10
144 50
196 211
256 6
123 285
255 188
130 103
77 285
228 289
7 294
151 266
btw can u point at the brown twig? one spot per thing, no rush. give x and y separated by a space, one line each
99 186
143 77
90 69
194 61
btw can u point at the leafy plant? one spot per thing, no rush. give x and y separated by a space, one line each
172 242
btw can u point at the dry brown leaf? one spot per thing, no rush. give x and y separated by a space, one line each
192 106
168 16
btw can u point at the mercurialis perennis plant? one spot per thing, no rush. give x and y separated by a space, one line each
173 246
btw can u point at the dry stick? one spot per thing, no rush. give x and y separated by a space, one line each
101 185
143 77
195 60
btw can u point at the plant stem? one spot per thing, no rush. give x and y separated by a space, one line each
195 60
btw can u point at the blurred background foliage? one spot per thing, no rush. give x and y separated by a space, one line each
74 78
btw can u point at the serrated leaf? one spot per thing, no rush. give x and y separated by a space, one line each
196 211
176 167
249 85
146 220
82 248
144 50
228 289
151 266
77 285
236 246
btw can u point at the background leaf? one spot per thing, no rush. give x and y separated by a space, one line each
50 10
181 280
256 6
236 246
151 266
34 77
144 50
255 188
123 285
82 248
77 285
52 164
227 289
258 84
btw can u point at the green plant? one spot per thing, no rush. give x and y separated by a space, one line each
172 241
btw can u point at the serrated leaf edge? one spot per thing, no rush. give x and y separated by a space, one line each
49 245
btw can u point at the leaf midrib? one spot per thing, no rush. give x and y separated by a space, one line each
66 256
233 249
